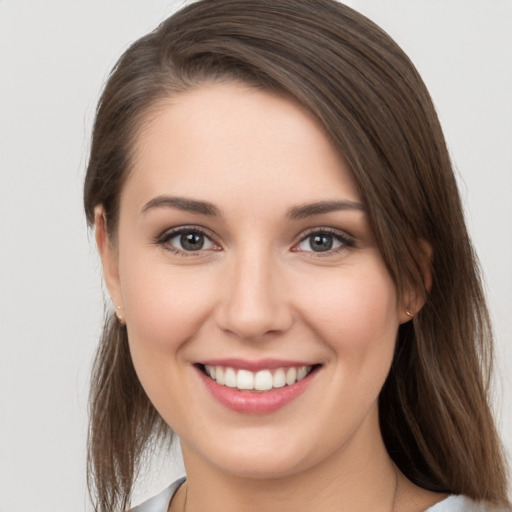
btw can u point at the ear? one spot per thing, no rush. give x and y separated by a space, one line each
414 299
108 256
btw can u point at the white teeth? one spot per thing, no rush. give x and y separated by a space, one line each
219 375
245 379
302 372
230 378
279 378
262 380
291 376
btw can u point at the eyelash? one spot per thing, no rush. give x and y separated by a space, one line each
164 239
346 241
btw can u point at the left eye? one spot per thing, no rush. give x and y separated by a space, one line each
189 241
322 242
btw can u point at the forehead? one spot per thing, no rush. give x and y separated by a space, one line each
233 140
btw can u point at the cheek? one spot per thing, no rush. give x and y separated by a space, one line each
165 305
356 314
357 319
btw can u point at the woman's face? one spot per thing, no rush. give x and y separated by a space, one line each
244 250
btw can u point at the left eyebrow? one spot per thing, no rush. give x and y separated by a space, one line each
321 207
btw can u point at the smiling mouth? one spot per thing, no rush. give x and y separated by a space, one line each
261 380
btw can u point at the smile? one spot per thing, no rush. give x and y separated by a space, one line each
262 380
256 388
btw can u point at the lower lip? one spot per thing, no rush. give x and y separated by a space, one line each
251 402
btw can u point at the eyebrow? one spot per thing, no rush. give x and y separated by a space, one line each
311 209
209 209
182 203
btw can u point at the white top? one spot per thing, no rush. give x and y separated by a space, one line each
160 503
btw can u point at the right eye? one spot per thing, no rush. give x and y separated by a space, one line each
186 240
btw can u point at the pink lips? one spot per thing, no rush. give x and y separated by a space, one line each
255 402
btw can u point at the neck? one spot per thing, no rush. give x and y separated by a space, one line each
359 476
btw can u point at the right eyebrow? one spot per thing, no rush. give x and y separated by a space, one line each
182 203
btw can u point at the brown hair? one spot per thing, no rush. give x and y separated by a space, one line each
434 412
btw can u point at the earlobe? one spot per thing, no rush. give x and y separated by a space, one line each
108 256
411 308
415 299
408 312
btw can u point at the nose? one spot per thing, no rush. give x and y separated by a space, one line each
254 304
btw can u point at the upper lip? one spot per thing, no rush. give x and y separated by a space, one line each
255 365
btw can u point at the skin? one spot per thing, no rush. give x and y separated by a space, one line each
258 290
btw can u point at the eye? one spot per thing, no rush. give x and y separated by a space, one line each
186 240
324 241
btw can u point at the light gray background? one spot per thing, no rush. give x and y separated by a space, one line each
54 58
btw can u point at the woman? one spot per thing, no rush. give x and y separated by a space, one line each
295 292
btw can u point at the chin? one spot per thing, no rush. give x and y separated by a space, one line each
259 456
262 467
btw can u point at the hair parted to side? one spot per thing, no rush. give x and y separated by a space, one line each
434 412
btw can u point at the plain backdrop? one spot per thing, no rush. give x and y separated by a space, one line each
54 57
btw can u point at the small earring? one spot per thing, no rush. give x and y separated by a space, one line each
118 314
408 313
